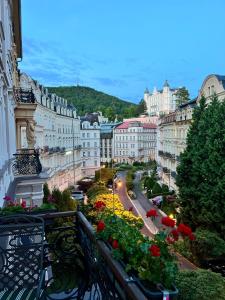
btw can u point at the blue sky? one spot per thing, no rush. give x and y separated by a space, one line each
123 46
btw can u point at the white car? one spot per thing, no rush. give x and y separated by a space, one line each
77 195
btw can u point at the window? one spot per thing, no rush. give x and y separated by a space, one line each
84 163
89 154
96 163
88 144
96 153
83 134
95 135
83 144
95 144
88 135
83 154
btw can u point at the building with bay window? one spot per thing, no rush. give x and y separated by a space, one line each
134 141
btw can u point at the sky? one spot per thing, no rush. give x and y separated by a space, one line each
121 47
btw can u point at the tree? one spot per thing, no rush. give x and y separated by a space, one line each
182 96
46 192
201 173
141 108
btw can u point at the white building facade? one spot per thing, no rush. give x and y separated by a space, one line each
90 142
160 102
10 50
134 141
172 135
213 84
57 135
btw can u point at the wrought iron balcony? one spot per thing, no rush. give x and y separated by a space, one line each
166 170
26 162
24 96
78 266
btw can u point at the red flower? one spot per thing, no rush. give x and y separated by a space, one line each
151 213
175 234
115 244
168 221
155 250
7 198
100 226
23 204
99 205
131 208
192 237
184 229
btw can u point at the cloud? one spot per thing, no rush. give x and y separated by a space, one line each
110 82
50 64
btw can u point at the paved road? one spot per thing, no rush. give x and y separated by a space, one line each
140 206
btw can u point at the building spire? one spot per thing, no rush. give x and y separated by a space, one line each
146 91
166 84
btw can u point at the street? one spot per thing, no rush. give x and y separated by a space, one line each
140 206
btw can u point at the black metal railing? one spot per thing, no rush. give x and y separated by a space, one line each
24 95
167 154
26 162
80 266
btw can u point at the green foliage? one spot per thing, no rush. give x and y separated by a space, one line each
44 206
201 173
46 192
182 96
200 284
105 175
208 244
63 200
129 180
8 210
87 100
95 190
141 108
156 190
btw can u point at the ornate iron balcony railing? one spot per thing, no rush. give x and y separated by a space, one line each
24 96
26 162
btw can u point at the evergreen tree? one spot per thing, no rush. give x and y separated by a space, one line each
182 96
46 192
201 173
141 108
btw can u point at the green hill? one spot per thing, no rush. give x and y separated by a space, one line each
86 100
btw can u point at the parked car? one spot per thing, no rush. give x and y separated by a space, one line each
77 195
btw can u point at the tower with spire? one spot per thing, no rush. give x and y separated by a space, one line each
162 101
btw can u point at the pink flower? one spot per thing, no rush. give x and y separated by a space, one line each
131 208
7 198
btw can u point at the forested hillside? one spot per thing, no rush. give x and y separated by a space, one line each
87 99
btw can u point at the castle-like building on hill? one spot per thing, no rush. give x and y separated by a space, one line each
160 102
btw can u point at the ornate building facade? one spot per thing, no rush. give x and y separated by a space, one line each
90 141
172 134
160 102
213 84
10 50
134 141
56 134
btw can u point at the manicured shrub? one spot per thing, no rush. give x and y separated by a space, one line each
200 284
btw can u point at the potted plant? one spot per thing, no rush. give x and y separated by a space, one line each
150 261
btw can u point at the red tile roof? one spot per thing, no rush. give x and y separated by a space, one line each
125 125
